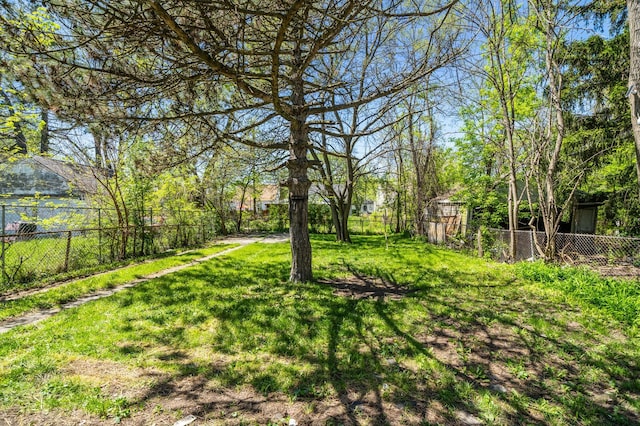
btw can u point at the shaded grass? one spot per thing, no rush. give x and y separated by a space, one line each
59 295
445 332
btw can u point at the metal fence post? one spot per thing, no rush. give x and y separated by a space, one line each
99 235
68 251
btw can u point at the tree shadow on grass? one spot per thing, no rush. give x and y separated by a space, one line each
236 335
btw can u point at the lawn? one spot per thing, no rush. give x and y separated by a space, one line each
27 263
57 294
388 334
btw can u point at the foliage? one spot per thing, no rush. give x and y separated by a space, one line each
279 216
618 298
21 117
598 130
499 114
320 218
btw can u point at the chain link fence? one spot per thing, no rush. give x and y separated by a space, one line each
612 255
40 241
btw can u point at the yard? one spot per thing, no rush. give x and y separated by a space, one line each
390 333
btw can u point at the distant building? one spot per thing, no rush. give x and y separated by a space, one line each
37 190
44 177
445 219
259 202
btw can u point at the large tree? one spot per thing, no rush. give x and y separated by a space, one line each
238 65
633 9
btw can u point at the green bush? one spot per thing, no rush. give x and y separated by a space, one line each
320 218
279 217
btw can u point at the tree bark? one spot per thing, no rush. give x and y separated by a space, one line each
44 135
633 8
299 184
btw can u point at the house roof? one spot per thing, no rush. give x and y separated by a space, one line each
46 176
80 176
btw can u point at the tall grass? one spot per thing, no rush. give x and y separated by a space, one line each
619 298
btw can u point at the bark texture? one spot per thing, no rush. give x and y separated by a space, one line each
633 7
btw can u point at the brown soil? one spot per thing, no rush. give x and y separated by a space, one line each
619 271
364 287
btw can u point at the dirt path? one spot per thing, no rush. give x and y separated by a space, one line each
34 317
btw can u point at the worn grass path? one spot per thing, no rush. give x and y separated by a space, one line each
41 314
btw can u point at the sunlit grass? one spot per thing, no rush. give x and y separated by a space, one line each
620 299
447 335
73 289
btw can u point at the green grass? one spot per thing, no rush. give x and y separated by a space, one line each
47 258
619 299
368 225
28 260
71 290
443 338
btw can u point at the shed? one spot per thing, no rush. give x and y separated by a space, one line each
445 218
584 218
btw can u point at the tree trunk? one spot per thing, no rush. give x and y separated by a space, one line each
335 217
513 201
398 211
44 134
347 196
633 8
343 218
21 141
242 199
299 184
419 170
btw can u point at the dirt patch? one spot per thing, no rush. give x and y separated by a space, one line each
193 397
113 378
619 271
364 287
